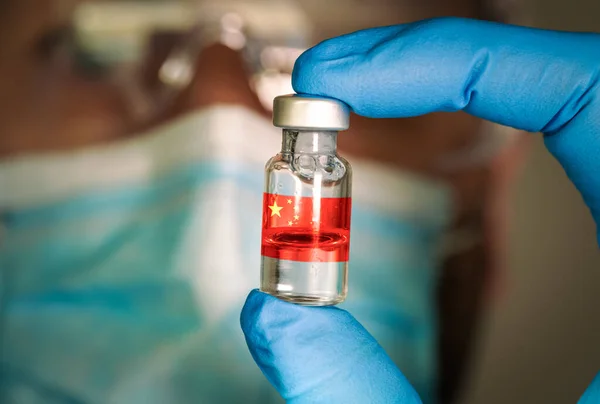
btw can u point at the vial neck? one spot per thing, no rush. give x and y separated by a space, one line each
309 141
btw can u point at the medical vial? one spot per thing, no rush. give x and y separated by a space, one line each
307 204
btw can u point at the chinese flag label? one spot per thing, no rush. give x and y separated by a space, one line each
305 228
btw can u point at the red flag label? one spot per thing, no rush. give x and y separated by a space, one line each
306 229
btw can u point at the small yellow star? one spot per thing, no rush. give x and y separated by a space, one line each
296 208
290 223
289 201
296 217
275 209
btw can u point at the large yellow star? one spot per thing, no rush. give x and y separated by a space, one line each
275 209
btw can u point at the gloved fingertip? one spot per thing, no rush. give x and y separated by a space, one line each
307 77
337 68
252 308
263 312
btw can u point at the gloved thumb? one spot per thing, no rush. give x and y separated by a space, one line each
320 354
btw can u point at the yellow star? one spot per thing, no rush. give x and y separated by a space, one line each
290 223
275 209
289 201
296 217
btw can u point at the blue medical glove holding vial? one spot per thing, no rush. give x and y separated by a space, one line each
535 80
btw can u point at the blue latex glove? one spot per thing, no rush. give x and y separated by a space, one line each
540 81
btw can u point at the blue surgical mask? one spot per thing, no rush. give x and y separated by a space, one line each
124 267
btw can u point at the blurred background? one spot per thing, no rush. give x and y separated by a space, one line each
133 117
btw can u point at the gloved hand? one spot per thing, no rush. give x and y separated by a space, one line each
540 81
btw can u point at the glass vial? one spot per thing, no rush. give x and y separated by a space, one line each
307 204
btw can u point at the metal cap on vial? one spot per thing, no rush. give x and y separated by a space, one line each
305 112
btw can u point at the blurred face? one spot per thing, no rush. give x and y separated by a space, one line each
53 100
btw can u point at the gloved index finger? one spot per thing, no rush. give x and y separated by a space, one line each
526 78
535 80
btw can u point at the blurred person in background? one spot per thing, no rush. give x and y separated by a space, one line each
132 144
